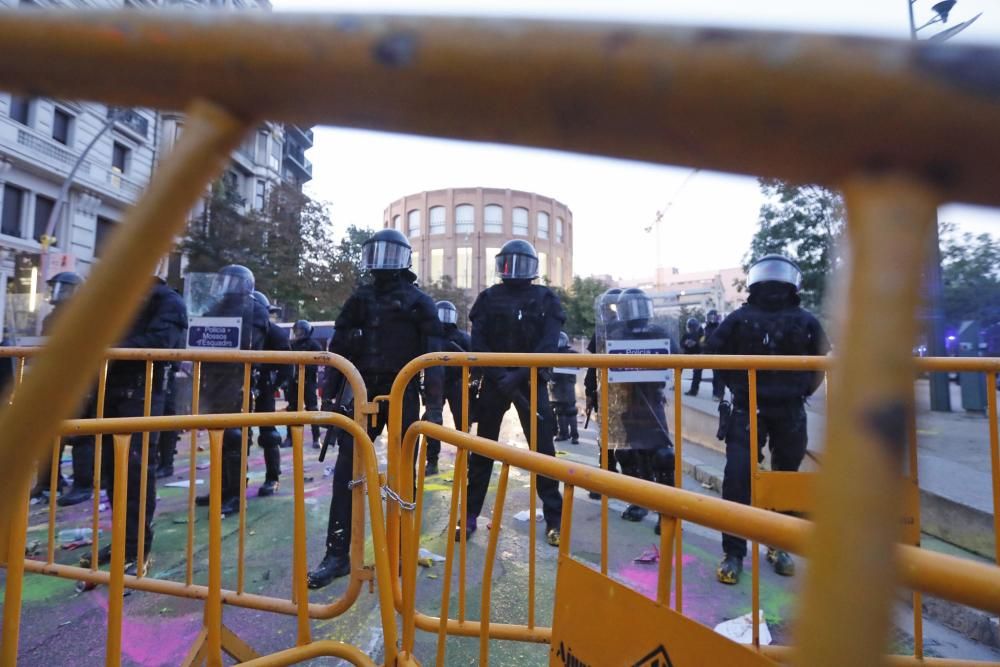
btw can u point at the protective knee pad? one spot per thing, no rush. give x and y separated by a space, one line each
662 461
231 440
269 438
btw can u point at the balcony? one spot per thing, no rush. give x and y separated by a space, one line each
301 135
50 153
298 164
130 120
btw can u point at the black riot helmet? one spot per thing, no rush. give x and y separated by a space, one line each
609 304
261 298
563 341
712 317
635 308
447 312
386 250
63 285
233 279
301 330
775 268
517 260
692 325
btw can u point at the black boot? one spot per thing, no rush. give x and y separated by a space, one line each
230 505
335 564
75 496
634 513
316 438
431 469
272 464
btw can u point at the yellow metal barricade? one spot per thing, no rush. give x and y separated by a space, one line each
660 94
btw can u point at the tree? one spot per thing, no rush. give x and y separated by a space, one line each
804 223
578 302
444 290
970 267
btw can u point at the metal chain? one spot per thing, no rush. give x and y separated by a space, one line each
356 482
387 494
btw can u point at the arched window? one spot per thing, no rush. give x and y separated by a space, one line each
543 225
493 219
465 219
559 230
413 223
397 222
435 220
519 216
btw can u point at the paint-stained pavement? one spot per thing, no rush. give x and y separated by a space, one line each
61 626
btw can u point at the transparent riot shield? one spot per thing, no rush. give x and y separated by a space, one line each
215 319
27 318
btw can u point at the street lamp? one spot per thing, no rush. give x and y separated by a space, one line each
940 390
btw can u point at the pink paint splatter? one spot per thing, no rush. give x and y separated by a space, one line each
156 641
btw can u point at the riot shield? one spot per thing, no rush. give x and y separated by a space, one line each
27 318
215 319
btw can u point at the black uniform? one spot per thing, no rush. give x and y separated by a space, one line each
311 399
381 328
222 384
161 324
718 385
168 439
691 344
454 341
564 402
764 326
590 389
514 316
267 379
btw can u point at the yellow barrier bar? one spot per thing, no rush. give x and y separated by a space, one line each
852 575
491 554
116 576
192 473
913 472
54 472
668 531
17 528
244 446
679 483
532 501
566 525
213 604
754 466
605 455
323 648
463 490
299 564
449 552
411 546
991 402
95 503
403 64
69 360
144 473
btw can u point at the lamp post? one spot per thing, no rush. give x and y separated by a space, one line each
940 390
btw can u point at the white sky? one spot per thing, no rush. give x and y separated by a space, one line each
711 219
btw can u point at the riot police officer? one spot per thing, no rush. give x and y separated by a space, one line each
455 340
711 324
691 342
515 316
643 445
161 324
302 341
564 396
771 322
606 311
222 383
267 379
383 325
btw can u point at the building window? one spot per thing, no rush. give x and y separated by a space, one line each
543 225
557 278
259 195
493 219
397 222
415 263
435 220
465 219
13 209
262 147
519 216
559 230
491 265
20 109
62 126
463 268
43 211
101 234
437 264
413 223
543 266
120 157
275 162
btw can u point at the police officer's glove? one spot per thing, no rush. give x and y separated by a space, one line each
434 416
591 401
510 382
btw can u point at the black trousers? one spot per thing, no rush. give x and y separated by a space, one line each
492 406
121 404
338 532
718 385
311 401
783 429
566 420
453 397
695 381
268 439
168 439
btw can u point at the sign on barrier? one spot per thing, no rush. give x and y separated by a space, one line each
648 346
220 333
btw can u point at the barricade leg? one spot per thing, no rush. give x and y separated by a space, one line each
16 528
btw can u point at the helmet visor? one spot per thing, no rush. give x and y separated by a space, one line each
227 283
448 315
635 308
514 266
777 269
60 291
384 255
